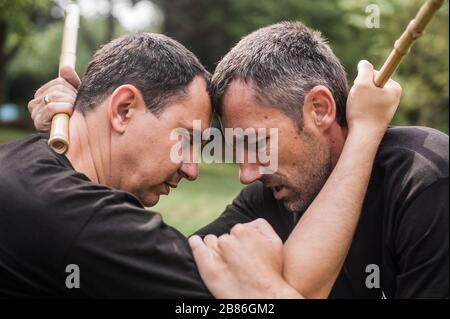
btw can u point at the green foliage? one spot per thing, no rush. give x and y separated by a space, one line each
8 135
211 28
19 15
424 73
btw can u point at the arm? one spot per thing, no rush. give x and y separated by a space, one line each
312 257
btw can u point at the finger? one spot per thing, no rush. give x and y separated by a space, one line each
52 83
238 230
62 86
53 96
46 86
226 245
40 125
32 105
54 108
391 84
35 112
70 76
365 72
200 252
212 242
262 226
58 84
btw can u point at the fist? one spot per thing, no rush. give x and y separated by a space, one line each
369 107
56 96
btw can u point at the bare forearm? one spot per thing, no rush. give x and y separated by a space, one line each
316 250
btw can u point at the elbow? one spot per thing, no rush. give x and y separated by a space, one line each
304 279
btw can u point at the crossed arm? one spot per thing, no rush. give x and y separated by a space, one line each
251 261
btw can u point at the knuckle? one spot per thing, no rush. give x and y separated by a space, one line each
51 108
238 229
209 238
261 221
36 121
224 241
30 106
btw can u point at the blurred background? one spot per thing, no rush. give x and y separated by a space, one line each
30 40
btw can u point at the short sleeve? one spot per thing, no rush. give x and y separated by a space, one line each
124 251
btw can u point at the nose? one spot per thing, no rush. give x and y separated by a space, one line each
248 173
189 171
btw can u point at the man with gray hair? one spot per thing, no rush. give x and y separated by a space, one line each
286 76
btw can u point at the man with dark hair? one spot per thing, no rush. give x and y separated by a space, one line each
286 76
85 208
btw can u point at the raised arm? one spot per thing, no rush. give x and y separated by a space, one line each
316 249
240 264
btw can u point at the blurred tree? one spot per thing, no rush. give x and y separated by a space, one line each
424 74
36 60
18 19
210 29
108 20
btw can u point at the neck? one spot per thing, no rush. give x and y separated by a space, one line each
338 136
87 153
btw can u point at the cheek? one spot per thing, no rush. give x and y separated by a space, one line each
157 167
290 151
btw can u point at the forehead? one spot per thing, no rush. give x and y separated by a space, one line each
241 108
196 105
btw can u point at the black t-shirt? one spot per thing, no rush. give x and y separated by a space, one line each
52 216
400 248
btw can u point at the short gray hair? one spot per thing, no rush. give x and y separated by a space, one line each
283 62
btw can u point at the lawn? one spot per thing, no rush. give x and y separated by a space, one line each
192 204
7 135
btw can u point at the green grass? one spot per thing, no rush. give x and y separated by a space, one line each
8 135
193 205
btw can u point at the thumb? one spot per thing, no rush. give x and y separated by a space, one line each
365 72
69 74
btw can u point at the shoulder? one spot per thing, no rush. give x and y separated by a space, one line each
425 145
412 165
42 194
413 156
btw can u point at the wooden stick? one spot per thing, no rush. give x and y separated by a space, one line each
401 47
59 133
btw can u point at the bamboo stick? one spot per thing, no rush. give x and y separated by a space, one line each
59 132
413 31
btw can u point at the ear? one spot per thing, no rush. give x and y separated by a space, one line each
320 107
125 102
